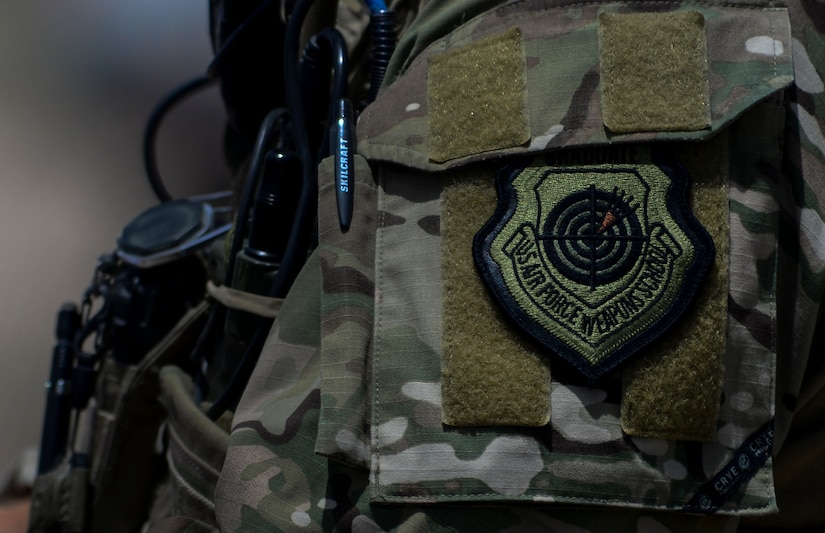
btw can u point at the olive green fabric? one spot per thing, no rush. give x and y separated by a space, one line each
477 97
61 497
653 69
249 302
673 391
46 498
433 20
491 375
125 464
592 297
129 452
748 59
196 447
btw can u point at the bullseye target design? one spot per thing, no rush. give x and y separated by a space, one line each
594 237
593 262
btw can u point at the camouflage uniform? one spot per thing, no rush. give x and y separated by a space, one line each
428 371
341 426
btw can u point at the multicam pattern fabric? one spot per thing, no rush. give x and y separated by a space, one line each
747 54
340 427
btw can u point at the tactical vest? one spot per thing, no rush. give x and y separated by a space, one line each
576 287
578 291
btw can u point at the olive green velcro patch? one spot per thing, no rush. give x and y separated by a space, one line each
491 375
477 97
654 72
674 390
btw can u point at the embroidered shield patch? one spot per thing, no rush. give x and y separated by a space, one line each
593 262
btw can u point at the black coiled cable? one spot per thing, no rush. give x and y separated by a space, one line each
382 31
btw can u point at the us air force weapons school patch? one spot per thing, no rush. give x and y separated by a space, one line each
593 261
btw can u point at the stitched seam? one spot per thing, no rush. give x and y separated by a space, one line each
181 458
445 219
752 7
379 319
446 38
190 456
592 129
756 6
189 489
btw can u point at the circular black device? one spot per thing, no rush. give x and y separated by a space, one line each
164 227
159 276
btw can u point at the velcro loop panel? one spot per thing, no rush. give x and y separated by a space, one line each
491 375
674 390
654 72
477 96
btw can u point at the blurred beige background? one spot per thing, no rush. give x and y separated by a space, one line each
77 81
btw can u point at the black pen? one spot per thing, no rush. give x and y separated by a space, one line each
342 146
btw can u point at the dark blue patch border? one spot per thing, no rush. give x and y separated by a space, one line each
677 204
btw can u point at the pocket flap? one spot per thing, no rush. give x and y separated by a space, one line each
585 454
563 93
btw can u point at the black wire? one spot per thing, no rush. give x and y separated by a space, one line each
304 222
153 125
340 80
231 394
217 60
197 358
258 156
218 312
340 65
